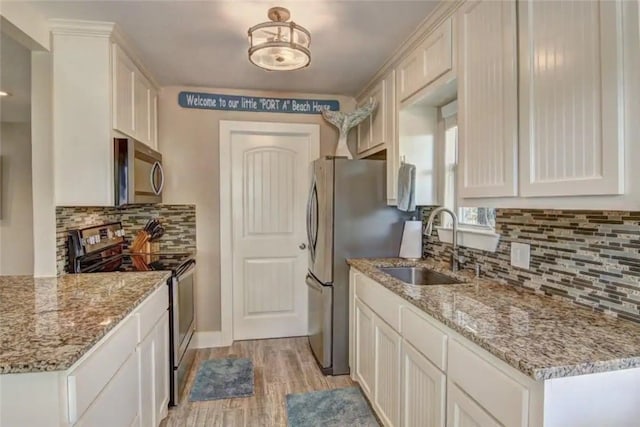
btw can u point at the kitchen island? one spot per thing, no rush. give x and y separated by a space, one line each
76 345
488 352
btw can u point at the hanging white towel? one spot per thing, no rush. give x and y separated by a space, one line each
407 187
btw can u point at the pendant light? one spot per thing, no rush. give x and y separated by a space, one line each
279 45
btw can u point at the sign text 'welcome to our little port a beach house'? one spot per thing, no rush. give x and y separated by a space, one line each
214 101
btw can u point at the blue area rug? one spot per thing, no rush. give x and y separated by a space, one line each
340 407
223 379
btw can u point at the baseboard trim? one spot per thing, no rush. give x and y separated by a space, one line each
207 339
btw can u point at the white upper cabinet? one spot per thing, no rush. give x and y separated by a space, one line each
124 72
364 130
153 119
487 99
571 98
376 131
379 116
430 60
99 92
134 100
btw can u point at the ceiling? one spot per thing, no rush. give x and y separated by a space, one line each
15 78
204 43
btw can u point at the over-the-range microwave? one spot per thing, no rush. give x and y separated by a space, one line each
139 177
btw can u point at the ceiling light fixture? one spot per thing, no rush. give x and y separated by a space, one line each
3 93
279 45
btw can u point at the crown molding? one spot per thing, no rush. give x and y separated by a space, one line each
81 28
443 11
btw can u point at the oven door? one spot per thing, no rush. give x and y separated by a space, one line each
182 327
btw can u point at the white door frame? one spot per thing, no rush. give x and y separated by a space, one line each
227 128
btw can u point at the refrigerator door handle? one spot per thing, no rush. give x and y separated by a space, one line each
309 216
315 217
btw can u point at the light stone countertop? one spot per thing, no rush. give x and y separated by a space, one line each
47 324
541 336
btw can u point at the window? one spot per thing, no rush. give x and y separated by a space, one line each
469 217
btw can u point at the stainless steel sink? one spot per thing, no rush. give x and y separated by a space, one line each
419 276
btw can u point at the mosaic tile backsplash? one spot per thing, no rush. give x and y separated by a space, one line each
179 222
590 257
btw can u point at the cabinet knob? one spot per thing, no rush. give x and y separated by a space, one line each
302 246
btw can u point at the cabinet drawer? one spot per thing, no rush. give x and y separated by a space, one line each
382 301
87 380
504 398
425 337
117 405
151 310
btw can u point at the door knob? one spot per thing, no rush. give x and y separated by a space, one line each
302 246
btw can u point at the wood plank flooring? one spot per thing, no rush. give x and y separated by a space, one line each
281 367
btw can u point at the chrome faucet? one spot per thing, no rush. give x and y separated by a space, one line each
429 228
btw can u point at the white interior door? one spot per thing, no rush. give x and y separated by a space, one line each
269 182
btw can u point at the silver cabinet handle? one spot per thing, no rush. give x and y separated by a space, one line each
302 246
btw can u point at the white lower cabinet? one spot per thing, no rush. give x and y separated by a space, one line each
418 372
424 389
162 368
363 322
386 368
462 411
117 404
123 381
153 359
145 354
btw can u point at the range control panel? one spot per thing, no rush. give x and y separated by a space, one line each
100 237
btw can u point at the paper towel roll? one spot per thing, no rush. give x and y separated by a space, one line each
411 246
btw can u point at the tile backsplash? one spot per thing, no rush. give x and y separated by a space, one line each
179 222
590 257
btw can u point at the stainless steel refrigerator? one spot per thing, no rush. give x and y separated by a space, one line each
347 217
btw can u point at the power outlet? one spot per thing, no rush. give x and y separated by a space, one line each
520 255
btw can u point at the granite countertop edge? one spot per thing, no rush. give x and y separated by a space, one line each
44 366
370 268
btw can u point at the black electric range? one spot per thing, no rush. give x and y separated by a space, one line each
104 248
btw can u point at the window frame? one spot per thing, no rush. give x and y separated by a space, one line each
448 118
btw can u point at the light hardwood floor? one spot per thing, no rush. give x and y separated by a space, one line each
281 367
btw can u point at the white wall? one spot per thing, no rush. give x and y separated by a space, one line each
22 22
16 221
189 142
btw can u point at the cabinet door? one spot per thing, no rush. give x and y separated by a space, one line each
378 117
436 54
123 81
153 361
387 369
141 108
488 99
153 119
393 147
364 347
423 390
430 60
571 98
145 352
364 131
462 411
117 404
162 368
409 75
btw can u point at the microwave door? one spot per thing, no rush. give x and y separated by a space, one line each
320 221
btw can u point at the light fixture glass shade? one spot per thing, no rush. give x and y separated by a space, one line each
279 46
